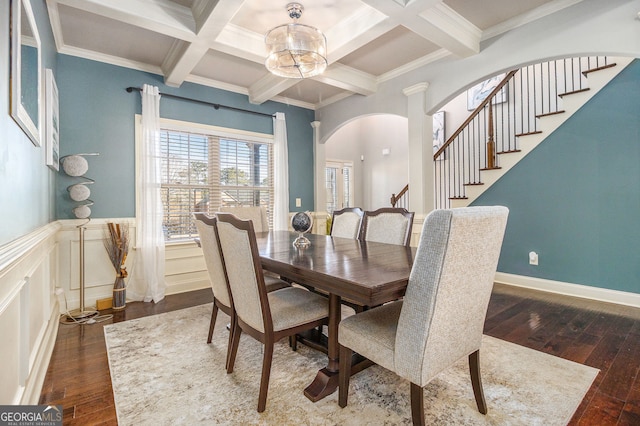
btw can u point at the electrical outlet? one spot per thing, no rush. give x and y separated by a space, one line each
298 202
533 258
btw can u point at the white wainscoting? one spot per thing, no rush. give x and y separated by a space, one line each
185 269
28 313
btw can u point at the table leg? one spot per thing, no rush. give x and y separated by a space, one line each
326 381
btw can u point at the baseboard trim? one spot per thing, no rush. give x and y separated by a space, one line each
186 286
568 289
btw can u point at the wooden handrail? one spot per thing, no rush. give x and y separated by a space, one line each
395 198
475 113
495 126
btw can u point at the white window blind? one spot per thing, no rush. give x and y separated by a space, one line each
203 171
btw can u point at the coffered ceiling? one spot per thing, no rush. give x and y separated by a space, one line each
220 43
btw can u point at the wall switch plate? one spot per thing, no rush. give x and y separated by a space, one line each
298 202
533 258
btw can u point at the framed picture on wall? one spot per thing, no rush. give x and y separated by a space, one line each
52 123
480 91
438 132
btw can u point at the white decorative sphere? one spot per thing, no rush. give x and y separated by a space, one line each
75 165
79 192
82 212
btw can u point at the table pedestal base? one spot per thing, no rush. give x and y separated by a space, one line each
325 383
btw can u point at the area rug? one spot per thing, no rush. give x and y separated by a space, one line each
163 372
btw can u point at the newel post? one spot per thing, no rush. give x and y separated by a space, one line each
491 144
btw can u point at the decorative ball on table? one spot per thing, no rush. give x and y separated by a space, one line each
302 222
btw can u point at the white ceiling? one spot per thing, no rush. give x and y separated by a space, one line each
220 43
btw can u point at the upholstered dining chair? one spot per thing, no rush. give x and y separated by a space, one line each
267 317
256 214
346 223
208 240
387 225
441 318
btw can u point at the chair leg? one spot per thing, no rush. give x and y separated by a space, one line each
233 347
293 342
476 381
230 344
214 314
343 375
266 372
417 405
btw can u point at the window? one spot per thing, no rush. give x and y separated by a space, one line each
339 184
204 168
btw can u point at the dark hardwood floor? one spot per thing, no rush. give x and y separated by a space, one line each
600 335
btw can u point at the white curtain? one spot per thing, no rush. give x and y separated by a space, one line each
147 281
281 174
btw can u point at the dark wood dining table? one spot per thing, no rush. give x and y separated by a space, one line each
366 273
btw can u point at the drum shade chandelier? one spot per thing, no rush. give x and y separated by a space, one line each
296 50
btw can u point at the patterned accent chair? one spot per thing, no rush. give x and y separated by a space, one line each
346 223
256 214
221 300
387 225
441 318
267 317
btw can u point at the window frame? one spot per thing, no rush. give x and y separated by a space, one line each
209 130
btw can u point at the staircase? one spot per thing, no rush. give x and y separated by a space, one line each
497 135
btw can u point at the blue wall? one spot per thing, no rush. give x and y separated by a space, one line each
26 183
575 199
97 115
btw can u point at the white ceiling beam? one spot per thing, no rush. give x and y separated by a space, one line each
161 16
237 41
268 87
212 16
56 28
395 10
434 21
184 56
355 31
181 60
449 30
527 17
348 78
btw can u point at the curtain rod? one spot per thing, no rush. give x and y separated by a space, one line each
215 106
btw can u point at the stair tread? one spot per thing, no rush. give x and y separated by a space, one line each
492 168
474 183
536 132
604 67
550 113
586 89
511 151
458 198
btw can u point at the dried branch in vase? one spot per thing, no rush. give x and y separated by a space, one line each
116 242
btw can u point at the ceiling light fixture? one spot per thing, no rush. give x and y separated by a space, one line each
296 50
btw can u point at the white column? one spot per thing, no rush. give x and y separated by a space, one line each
421 181
320 196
